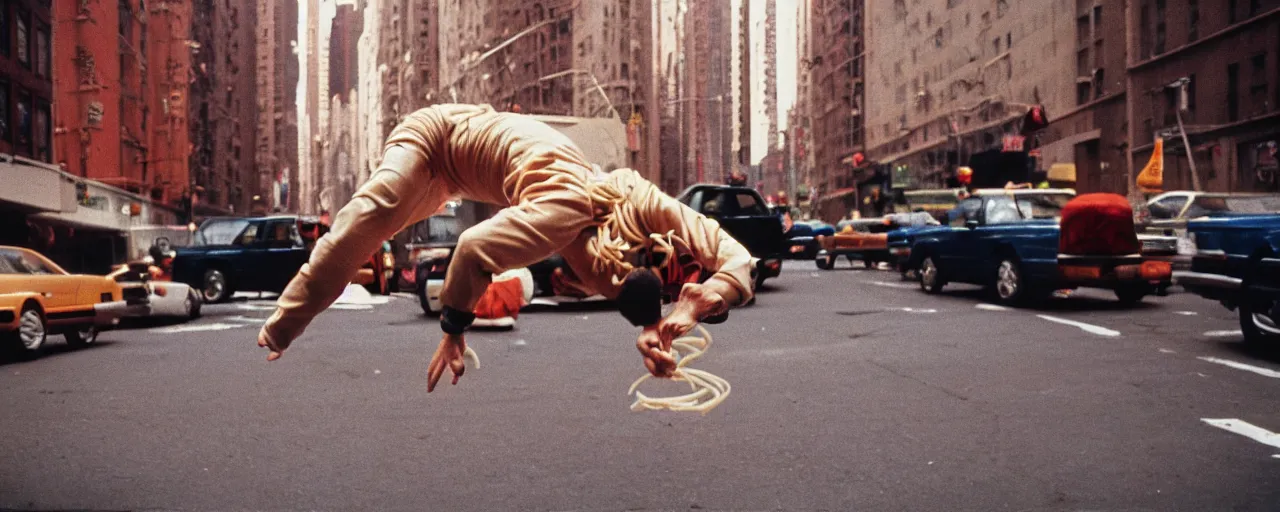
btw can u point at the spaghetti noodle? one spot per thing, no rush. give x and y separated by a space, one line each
708 389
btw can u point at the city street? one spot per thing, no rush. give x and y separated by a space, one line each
852 390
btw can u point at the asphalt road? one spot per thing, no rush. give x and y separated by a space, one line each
851 390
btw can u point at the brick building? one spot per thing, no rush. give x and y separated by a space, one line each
1227 51
169 47
834 66
100 88
26 79
222 107
277 72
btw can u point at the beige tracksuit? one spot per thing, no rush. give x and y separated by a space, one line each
475 153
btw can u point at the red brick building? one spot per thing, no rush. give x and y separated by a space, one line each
100 125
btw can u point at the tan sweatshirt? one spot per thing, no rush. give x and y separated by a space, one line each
476 153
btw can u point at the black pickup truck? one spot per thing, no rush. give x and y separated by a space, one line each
743 213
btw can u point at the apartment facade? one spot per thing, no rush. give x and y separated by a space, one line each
26 79
834 64
222 105
277 75
1226 54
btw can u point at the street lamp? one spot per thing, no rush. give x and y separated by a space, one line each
595 83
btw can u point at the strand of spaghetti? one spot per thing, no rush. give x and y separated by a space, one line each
708 392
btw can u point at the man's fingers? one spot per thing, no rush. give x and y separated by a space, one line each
652 366
434 373
273 355
458 366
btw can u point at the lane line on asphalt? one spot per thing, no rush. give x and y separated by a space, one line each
1089 328
1223 334
217 326
903 286
1248 430
990 307
1265 372
1186 313
1167 351
914 310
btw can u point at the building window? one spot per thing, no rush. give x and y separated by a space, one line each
23 139
1254 7
1231 11
1160 26
1258 83
1170 106
1193 20
1099 83
1233 92
626 71
4 112
43 53
1082 92
24 45
5 30
43 133
1144 39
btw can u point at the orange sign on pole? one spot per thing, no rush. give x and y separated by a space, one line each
1151 179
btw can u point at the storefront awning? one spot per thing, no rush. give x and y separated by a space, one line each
34 186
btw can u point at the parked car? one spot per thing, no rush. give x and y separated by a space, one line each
863 239
228 254
742 212
1012 242
1166 215
802 238
167 298
1237 262
39 298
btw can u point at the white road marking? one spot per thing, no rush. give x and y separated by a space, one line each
1186 313
1265 372
1089 328
894 285
196 328
1223 334
913 310
519 343
404 295
352 307
990 307
242 318
256 307
1167 351
377 372
1246 429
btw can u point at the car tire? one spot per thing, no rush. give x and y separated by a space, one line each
1010 284
82 337
1255 320
930 276
825 262
1131 295
215 286
32 332
192 305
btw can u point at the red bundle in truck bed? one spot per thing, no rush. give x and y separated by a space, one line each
1098 225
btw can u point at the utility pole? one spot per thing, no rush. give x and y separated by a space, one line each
1130 178
1181 85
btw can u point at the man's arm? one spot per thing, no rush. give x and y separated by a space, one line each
396 195
709 244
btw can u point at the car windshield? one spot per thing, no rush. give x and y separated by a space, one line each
220 232
18 262
1014 208
1208 205
437 229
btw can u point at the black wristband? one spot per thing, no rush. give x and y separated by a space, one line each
454 321
716 319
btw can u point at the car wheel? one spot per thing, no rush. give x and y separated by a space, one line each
930 277
216 288
1259 329
32 331
825 262
1130 295
82 337
191 305
1011 283
759 281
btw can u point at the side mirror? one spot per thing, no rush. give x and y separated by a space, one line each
971 224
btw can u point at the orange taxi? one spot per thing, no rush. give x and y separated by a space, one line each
39 298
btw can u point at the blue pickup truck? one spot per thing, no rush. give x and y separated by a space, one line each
1237 262
1011 242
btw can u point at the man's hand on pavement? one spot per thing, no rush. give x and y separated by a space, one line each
448 355
265 342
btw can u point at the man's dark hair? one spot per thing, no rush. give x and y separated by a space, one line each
640 298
